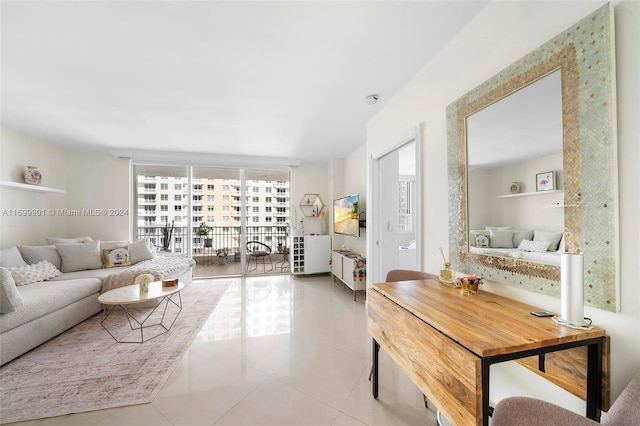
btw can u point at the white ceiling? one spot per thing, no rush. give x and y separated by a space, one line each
276 79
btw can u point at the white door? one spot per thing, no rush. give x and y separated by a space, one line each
386 172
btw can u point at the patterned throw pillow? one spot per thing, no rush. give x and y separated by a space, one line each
118 256
534 246
37 272
482 241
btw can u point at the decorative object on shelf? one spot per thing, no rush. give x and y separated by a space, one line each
143 281
545 181
445 274
515 187
32 175
311 205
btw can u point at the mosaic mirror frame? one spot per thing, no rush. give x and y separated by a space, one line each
585 55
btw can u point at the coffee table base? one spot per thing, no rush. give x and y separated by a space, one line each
135 324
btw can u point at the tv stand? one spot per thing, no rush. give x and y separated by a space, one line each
350 268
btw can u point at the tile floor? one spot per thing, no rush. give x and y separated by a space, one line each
277 350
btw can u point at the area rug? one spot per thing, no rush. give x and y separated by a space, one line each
84 369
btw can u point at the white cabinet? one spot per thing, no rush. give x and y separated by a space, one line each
310 254
343 267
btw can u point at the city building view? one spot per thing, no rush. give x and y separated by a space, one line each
206 212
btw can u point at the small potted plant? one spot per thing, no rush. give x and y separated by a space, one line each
204 231
167 234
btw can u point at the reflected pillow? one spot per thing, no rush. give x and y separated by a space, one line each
553 238
473 234
534 246
518 236
482 241
501 238
499 228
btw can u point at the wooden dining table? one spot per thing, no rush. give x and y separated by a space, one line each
446 340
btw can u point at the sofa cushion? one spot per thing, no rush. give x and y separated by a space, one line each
10 257
10 299
80 256
42 298
34 254
29 274
89 273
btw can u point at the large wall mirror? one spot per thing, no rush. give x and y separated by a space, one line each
532 158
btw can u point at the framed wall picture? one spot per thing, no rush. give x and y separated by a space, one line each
545 181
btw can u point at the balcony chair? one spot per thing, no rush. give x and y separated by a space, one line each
524 411
407 275
259 252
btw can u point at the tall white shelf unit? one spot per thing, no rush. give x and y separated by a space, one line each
310 254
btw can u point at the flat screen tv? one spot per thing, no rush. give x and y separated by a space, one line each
346 215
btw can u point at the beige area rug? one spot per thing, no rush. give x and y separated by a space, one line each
84 369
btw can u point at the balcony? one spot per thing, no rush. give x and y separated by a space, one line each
207 262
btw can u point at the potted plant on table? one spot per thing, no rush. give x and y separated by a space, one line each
204 231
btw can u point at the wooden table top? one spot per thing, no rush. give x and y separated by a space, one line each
484 323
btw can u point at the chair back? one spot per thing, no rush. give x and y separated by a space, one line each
408 275
258 248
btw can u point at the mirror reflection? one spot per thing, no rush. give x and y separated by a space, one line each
514 147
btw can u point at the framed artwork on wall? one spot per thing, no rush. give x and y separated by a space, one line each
545 181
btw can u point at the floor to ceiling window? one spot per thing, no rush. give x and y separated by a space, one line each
211 213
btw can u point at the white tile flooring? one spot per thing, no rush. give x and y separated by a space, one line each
277 350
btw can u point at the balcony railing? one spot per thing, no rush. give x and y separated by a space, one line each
221 237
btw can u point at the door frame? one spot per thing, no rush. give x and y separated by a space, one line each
374 273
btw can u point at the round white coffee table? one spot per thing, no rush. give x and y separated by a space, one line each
128 297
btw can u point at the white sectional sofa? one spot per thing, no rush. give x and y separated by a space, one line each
45 290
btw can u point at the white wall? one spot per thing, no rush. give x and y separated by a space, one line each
310 178
501 34
92 180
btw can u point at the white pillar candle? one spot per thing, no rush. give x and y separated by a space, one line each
572 288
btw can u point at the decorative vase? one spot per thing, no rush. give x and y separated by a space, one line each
515 187
32 175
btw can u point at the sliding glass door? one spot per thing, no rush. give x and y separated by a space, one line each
212 214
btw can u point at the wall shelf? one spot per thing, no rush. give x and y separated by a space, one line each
526 194
27 187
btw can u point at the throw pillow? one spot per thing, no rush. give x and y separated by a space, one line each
34 254
11 258
521 235
500 228
482 241
118 256
501 238
553 238
51 240
534 246
80 256
10 299
140 250
473 234
35 273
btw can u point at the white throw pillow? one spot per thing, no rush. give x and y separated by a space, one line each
499 228
11 258
34 254
10 299
501 238
35 273
80 256
534 246
140 250
553 238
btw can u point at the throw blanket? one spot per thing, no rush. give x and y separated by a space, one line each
160 267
